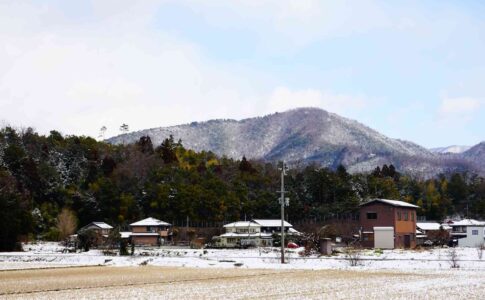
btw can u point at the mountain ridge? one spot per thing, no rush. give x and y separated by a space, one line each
304 135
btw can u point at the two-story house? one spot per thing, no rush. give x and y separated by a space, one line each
468 232
388 224
150 232
257 233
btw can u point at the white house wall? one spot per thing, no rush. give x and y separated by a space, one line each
473 240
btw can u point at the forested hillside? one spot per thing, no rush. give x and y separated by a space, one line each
42 176
308 136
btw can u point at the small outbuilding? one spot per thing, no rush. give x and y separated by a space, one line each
101 228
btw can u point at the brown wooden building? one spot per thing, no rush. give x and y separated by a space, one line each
150 232
101 228
379 215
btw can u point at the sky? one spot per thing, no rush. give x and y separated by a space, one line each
411 70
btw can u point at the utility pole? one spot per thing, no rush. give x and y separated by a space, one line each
283 203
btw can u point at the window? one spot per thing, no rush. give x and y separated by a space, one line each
475 232
399 216
406 216
372 216
412 216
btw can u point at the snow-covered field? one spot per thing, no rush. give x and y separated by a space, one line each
171 273
206 283
44 255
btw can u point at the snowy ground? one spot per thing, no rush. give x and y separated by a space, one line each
42 271
46 255
222 283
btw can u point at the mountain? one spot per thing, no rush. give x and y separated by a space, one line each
476 155
450 149
303 136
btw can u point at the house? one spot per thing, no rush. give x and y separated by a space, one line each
467 232
244 233
101 228
150 232
387 224
274 226
475 236
256 233
431 231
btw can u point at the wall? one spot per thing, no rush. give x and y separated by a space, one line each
472 240
145 240
387 217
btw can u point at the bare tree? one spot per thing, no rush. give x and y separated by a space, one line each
66 223
124 128
453 258
353 255
102 132
480 249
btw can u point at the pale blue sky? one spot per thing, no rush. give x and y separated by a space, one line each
412 70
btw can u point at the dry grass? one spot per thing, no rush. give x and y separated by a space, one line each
189 283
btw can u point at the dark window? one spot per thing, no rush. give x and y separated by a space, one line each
412 216
474 232
372 216
399 216
406 216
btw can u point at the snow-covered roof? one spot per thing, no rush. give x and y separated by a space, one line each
125 234
391 202
150 222
246 235
467 222
271 223
428 225
102 225
242 224
144 234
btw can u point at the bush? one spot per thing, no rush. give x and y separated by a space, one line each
88 239
53 234
353 255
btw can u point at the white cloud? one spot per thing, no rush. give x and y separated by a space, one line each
283 99
459 106
75 77
459 111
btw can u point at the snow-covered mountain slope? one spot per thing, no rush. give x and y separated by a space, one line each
450 149
305 135
476 155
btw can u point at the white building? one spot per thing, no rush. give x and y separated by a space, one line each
475 236
256 233
468 232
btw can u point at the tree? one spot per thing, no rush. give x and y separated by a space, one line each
102 132
66 223
88 239
15 219
124 128
245 166
145 145
168 150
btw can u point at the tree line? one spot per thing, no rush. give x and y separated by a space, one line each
44 178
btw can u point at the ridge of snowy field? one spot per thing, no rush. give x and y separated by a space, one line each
46 255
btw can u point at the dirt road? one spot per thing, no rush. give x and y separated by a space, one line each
191 283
